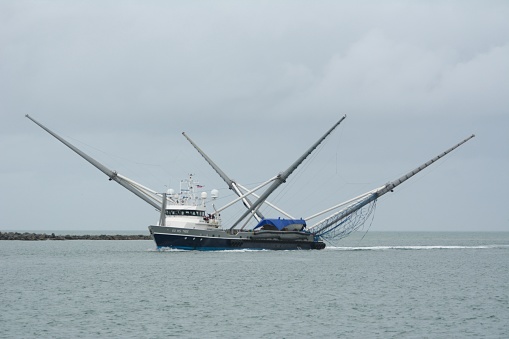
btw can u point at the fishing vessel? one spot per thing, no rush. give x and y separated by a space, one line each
186 220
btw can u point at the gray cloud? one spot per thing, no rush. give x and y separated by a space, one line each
255 83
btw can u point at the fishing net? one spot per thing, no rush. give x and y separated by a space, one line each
343 223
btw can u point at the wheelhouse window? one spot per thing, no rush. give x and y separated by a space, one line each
190 213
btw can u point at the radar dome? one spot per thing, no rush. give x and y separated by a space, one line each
204 195
214 194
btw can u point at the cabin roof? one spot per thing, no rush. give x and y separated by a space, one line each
184 207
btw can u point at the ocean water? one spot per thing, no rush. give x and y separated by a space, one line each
378 285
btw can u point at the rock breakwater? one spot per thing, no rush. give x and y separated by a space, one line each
52 236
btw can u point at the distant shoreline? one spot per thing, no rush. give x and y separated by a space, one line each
43 236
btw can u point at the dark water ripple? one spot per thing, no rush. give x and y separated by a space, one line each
389 285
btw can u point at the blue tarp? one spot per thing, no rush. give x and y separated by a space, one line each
279 223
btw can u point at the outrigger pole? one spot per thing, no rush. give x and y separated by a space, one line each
142 192
332 222
231 183
241 191
281 177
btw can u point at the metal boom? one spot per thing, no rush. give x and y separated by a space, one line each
281 178
142 192
231 183
335 220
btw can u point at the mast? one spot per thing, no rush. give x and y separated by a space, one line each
335 220
113 175
162 217
281 177
231 183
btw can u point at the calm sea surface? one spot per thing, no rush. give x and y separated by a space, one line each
401 285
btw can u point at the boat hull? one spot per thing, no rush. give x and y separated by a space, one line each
221 240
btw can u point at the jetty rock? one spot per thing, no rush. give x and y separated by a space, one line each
43 236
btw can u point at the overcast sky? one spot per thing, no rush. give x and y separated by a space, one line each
255 83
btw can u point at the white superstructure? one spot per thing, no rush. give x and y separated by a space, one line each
186 209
